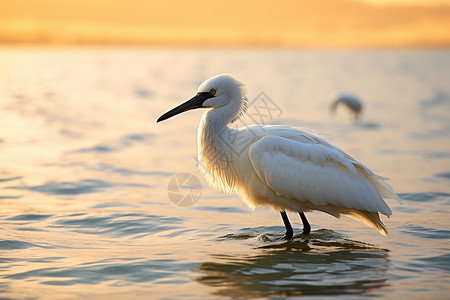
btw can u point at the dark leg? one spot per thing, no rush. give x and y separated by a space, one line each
287 224
306 226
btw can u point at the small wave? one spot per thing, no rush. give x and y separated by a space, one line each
438 99
274 239
425 197
30 217
119 144
10 197
112 204
108 168
70 133
120 225
10 178
443 175
368 125
239 236
14 245
83 186
271 232
121 270
425 232
143 93
221 209
98 148
439 262
129 139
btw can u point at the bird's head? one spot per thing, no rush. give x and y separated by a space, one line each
221 91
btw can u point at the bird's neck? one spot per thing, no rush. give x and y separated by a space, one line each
213 133
215 156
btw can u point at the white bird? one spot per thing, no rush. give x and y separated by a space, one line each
352 102
277 166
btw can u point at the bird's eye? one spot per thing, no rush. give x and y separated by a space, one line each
212 92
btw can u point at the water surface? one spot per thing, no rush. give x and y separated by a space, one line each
85 174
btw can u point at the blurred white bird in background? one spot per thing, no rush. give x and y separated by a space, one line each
277 166
352 102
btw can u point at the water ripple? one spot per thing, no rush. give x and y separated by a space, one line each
15 244
444 175
441 262
129 139
29 217
118 145
426 232
222 209
122 270
143 93
108 168
440 98
10 197
98 148
119 225
10 178
84 186
423 196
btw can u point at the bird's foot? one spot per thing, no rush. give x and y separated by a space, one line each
289 231
288 236
306 230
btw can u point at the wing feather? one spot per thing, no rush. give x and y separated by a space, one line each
315 171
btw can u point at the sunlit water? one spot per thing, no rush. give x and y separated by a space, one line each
85 173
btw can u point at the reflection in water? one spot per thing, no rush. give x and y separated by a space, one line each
316 266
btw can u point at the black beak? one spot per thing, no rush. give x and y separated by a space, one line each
195 102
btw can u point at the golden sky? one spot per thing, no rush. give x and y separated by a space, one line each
304 23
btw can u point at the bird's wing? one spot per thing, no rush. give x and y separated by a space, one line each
307 168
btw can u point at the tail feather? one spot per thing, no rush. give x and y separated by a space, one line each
371 219
383 188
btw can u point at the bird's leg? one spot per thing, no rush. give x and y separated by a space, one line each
287 224
306 226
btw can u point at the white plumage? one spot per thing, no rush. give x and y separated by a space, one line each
277 166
